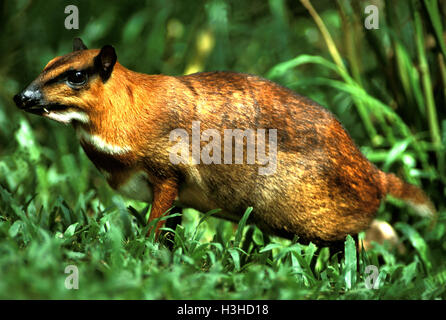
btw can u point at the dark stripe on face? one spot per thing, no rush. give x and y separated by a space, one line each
61 61
90 71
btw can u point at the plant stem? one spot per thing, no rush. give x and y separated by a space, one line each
338 61
428 91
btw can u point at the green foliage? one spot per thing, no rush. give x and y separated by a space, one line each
387 86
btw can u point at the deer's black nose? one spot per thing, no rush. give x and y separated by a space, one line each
27 99
19 100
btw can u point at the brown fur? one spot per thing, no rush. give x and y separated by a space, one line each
323 188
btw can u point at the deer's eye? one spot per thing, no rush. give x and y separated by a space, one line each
77 78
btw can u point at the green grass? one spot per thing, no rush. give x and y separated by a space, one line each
387 87
208 259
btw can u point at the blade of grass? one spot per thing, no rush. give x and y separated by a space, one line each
417 242
427 86
442 67
435 19
369 127
409 77
350 262
352 45
434 15
241 227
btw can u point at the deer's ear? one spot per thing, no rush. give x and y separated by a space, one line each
105 61
78 44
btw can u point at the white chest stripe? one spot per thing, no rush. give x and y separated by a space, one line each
100 144
67 116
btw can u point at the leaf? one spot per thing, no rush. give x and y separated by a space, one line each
235 255
241 227
322 260
75 255
139 217
283 67
350 262
70 230
310 250
396 152
410 272
270 247
203 218
15 228
417 242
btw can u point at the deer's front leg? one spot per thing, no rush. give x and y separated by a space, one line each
164 195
